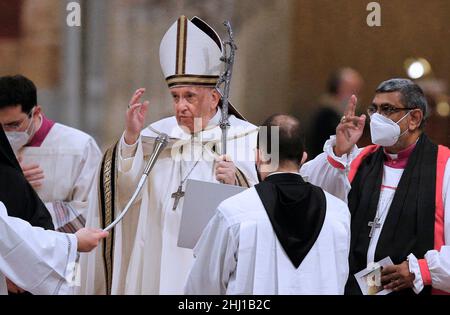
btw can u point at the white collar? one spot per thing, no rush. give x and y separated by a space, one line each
211 133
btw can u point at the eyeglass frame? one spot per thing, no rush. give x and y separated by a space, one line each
393 109
9 128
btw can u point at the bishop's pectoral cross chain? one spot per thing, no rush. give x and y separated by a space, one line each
180 193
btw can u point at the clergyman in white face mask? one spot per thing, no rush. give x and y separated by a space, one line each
57 160
20 132
398 190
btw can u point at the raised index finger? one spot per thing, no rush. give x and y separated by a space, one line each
352 106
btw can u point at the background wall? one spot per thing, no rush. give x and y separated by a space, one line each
287 48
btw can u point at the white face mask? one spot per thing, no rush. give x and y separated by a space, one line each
384 131
18 139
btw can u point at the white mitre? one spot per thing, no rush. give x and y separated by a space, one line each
190 54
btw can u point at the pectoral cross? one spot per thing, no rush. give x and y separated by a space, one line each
374 225
177 196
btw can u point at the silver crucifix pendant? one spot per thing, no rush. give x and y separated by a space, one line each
374 225
177 196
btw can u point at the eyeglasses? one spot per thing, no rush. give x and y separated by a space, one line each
17 124
385 109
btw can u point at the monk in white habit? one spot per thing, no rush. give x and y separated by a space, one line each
283 236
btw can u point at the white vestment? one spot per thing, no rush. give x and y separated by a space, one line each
36 260
239 253
146 259
335 181
69 159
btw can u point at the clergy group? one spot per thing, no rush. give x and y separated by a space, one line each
321 226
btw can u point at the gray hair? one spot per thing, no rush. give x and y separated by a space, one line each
412 95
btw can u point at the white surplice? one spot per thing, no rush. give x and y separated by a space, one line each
335 181
39 261
239 253
146 258
69 159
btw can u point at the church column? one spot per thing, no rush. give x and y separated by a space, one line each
94 67
71 71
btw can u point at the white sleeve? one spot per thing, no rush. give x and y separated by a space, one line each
434 270
215 259
128 151
131 165
74 211
36 260
329 171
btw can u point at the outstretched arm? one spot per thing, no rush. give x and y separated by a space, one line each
40 261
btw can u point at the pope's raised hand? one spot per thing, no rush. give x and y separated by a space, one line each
350 129
135 117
